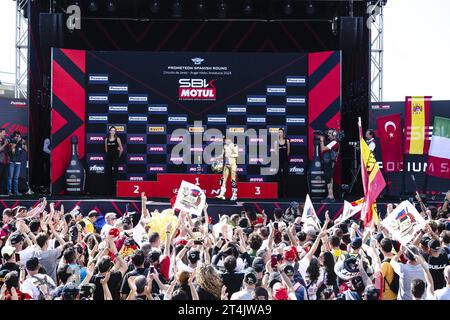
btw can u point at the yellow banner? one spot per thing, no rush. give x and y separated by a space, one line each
417 125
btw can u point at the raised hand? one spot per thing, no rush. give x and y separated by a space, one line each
105 280
224 294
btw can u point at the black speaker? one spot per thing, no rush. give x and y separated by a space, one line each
51 30
350 32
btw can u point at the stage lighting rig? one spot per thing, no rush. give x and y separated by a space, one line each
288 9
154 6
93 5
222 9
111 6
177 9
201 7
248 7
310 9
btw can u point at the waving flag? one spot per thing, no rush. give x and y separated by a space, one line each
417 125
389 131
351 208
439 154
372 180
309 214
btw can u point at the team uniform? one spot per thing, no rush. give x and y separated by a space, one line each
230 154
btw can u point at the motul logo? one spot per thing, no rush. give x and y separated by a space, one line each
200 89
96 138
136 159
96 158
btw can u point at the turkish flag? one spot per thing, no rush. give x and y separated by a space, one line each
389 131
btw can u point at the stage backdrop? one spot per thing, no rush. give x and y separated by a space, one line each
147 96
399 183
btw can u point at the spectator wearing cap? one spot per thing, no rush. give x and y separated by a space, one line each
249 285
11 289
9 257
437 261
193 257
299 289
260 293
37 285
355 246
371 293
110 219
137 260
407 272
70 292
90 220
444 293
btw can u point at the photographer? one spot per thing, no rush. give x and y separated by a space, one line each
17 146
329 152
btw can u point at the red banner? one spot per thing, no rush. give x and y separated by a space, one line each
389 131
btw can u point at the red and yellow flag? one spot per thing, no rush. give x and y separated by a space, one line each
372 180
417 124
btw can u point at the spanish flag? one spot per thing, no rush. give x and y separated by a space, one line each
417 125
372 180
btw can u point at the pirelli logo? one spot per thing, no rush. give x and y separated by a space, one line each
236 130
120 128
196 129
156 129
274 130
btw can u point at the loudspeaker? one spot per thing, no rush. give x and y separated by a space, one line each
51 30
350 32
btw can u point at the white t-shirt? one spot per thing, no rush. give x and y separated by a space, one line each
105 229
303 264
181 266
30 285
245 294
442 294
331 144
406 273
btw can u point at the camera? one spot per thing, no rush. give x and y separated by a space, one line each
338 134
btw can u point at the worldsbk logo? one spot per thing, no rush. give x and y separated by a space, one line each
196 89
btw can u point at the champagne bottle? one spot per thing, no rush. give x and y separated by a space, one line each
75 173
316 175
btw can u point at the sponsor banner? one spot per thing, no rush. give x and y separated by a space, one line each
177 118
217 119
157 108
297 159
98 78
96 138
281 110
118 108
156 129
195 168
295 81
118 88
98 118
296 170
196 149
197 89
136 177
156 149
120 128
296 120
256 119
136 158
295 101
276 90
256 178
242 169
194 129
381 107
98 98
138 118
236 109
95 157
136 138
256 140
256 100
255 160
137 99
190 198
236 129
156 168
298 140
275 129
97 169
175 159
175 139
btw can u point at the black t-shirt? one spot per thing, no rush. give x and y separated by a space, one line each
186 289
232 281
10 266
125 289
437 266
205 295
115 279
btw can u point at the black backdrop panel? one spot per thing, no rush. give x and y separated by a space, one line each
142 94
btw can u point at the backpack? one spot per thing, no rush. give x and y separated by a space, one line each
395 284
42 281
